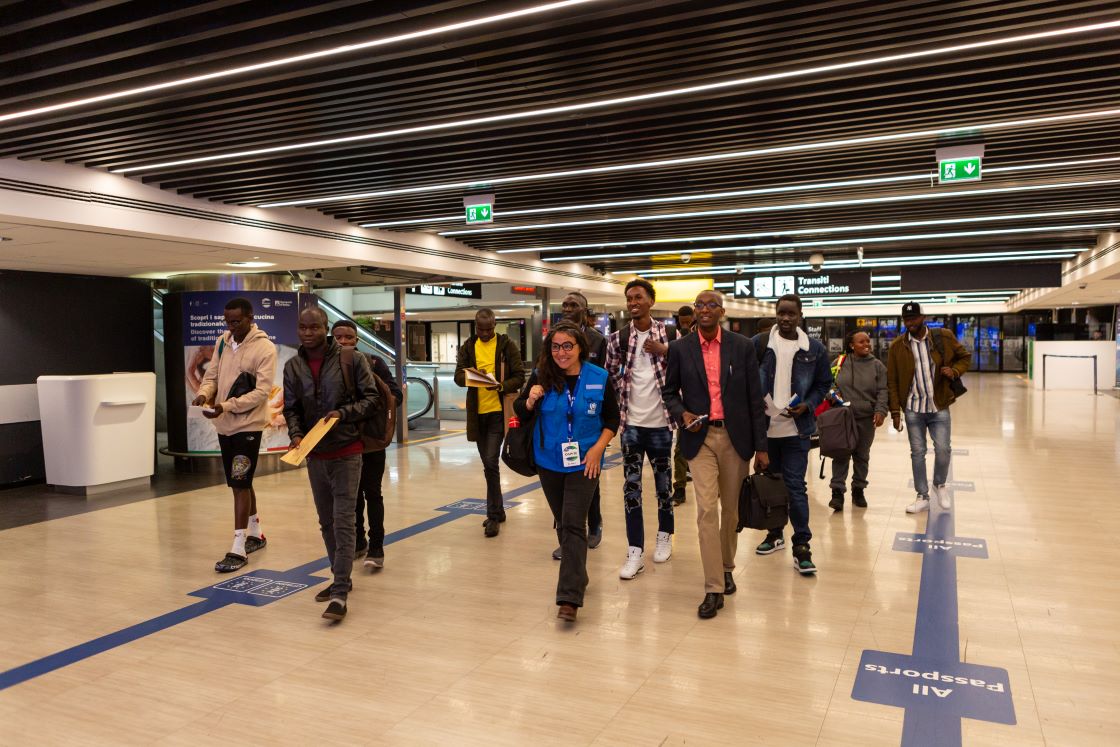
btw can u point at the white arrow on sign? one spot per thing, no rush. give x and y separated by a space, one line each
969 168
742 288
485 211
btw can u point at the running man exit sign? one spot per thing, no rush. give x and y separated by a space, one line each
959 170
480 214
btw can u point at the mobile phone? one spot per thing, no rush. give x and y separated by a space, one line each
699 420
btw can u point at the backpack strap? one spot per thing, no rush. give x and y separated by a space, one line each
624 345
349 368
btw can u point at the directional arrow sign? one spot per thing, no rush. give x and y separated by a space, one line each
742 289
959 170
480 213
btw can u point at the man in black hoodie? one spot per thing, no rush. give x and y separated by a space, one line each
315 388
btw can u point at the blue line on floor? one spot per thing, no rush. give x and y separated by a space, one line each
255 589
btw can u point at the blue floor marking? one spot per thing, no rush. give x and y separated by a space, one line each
935 688
254 589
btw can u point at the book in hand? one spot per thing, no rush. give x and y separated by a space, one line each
480 378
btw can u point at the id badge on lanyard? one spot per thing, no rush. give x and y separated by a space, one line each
569 450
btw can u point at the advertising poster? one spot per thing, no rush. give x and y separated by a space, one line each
276 314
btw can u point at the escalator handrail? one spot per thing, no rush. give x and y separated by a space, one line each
370 340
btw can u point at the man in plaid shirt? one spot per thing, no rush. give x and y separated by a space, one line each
636 361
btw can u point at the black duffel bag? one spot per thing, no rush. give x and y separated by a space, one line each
517 449
763 502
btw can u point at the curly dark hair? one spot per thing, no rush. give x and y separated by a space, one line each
549 375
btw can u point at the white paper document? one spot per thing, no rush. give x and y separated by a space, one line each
772 408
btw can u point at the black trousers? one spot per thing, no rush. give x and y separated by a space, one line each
491 431
569 496
369 494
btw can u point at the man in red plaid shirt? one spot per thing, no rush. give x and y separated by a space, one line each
636 361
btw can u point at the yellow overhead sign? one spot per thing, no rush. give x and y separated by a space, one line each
681 291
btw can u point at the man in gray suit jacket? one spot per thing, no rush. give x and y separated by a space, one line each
713 387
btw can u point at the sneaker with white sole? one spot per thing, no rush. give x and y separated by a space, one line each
374 560
918 506
942 493
664 549
633 565
771 544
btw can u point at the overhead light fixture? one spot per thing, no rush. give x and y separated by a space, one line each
247 264
623 100
798 232
841 264
283 61
820 145
705 196
776 208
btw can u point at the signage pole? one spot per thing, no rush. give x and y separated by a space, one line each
400 350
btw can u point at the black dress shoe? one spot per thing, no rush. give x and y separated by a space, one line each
729 586
837 502
491 527
711 603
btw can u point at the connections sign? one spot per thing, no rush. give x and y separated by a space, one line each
805 285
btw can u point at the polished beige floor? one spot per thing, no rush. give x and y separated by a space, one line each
456 641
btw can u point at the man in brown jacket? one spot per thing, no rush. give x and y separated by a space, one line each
920 368
237 384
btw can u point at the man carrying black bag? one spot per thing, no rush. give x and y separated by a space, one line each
237 383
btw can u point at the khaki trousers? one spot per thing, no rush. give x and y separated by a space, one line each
717 475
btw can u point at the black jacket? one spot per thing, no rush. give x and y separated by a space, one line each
305 404
596 346
686 388
510 371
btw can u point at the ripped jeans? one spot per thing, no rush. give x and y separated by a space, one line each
656 444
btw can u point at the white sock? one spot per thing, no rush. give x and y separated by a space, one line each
238 542
255 526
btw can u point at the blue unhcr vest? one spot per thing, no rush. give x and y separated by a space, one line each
587 421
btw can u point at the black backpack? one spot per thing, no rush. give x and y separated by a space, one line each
378 430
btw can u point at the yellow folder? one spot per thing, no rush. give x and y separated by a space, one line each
296 456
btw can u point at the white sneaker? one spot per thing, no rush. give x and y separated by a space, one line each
918 506
942 493
633 565
664 549
373 563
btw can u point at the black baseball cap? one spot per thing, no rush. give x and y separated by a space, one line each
911 309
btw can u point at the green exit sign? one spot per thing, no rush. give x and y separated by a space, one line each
480 213
959 170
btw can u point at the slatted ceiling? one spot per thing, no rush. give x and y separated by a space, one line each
585 53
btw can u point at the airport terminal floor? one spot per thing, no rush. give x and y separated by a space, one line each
456 640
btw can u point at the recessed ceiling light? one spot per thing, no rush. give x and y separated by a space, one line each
179 82
705 196
623 100
775 208
251 264
712 157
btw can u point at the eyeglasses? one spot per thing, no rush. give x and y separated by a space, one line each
567 347
709 305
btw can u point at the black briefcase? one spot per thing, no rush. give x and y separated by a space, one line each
763 502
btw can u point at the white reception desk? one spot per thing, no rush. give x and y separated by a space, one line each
98 431
1069 364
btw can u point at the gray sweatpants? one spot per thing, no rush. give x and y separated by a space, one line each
334 483
861 457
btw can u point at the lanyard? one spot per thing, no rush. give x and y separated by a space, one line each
572 403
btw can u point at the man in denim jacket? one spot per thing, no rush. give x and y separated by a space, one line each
795 373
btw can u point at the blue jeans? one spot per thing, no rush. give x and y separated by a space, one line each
939 426
790 457
656 444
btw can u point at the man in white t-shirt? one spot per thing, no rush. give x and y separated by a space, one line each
636 361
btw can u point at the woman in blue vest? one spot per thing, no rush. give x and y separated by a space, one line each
577 416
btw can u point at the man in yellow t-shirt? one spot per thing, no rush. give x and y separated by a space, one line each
500 356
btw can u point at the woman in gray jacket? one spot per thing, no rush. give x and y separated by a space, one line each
861 379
